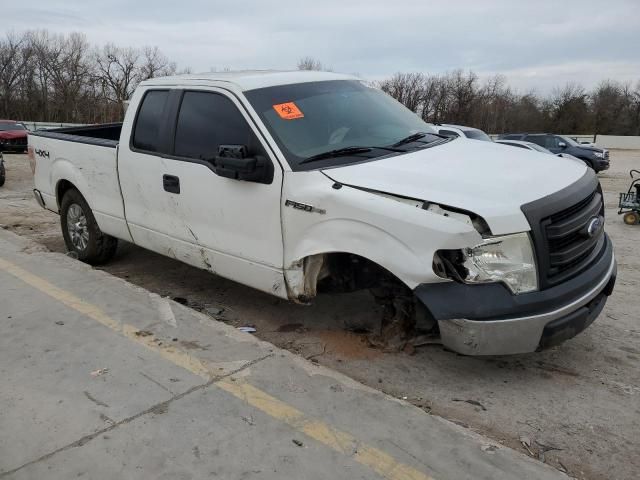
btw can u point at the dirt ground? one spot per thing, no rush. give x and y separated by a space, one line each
576 406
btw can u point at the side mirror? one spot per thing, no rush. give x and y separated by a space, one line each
562 145
232 162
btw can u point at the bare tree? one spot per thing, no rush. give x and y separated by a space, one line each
118 72
51 77
407 88
309 63
155 64
14 56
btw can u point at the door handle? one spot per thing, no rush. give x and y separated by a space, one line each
171 183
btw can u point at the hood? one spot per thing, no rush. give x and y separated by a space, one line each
9 134
488 179
590 148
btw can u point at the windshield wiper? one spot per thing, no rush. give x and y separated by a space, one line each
340 152
411 138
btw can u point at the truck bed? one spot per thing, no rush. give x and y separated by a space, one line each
104 135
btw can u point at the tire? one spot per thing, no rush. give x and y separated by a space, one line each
3 174
631 218
81 232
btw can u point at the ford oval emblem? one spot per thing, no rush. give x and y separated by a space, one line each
594 226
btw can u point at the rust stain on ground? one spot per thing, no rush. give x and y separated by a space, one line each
346 344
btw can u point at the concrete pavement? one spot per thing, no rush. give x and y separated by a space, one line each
101 379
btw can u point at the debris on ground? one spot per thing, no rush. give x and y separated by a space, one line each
99 372
298 442
471 402
143 333
249 420
544 449
247 329
526 441
59 322
180 300
489 449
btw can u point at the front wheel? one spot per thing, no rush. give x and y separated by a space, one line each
3 174
81 232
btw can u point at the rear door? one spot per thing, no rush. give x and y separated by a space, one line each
177 204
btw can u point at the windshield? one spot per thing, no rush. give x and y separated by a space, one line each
310 119
11 126
477 135
539 148
570 141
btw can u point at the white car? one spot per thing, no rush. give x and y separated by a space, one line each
299 183
535 147
461 131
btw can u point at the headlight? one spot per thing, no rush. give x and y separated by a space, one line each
508 259
598 154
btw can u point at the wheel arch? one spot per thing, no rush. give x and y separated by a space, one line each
62 187
369 246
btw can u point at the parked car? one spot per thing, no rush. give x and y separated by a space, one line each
3 172
299 183
13 136
535 147
596 158
461 131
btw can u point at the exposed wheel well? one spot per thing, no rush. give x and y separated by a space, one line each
341 272
347 272
337 272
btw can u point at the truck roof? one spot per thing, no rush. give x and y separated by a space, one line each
251 79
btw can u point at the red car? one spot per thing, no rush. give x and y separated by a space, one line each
13 136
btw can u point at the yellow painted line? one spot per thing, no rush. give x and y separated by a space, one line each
377 460
380 462
174 355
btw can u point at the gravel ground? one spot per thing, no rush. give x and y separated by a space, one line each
576 406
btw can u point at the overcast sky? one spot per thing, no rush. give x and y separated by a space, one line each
536 44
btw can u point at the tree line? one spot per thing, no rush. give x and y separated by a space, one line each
611 108
63 78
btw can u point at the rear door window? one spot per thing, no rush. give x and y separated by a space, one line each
146 134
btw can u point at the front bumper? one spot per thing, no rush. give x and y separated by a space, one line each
601 164
488 320
13 148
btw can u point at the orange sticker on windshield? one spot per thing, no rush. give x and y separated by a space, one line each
288 111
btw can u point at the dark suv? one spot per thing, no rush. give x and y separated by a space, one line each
596 158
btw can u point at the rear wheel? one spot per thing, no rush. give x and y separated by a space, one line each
81 232
2 174
631 218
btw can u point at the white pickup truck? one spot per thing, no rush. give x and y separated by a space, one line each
299 183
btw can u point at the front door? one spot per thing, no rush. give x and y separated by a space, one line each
177 205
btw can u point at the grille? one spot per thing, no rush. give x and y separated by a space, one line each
17 141
559 230
606 155
570 247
